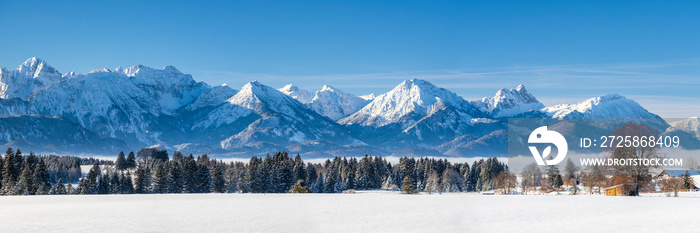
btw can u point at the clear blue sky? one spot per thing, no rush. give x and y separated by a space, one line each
563 51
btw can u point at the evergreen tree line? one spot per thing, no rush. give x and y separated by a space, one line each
153 171
39 174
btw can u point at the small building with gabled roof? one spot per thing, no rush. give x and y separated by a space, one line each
677 173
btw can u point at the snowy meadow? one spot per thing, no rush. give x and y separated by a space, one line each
360 212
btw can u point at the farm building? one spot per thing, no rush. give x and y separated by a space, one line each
621 190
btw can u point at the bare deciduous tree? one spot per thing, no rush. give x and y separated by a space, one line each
691 164
531 176
506 181
634 172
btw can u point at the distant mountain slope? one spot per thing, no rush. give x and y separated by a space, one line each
53 134
282 120
607 106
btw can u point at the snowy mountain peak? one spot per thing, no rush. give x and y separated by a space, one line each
369 97
329 101
608 97
424 93
335 104
414 96
415 81
141 70
297 93
255 86
263 99
690 125
35 67
511 102
327 88
606 106
103 70
33 75
171 68
33 64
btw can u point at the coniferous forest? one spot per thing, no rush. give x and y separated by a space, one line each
154 171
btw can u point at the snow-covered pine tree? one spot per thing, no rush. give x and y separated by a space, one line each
59 188
363 173
104 184
115 182
554 177
88 185
203 179
131 160
41 178
2 170
349 177
120 163
160 178
407 168
128 184
299 169
268 175
285 173
189 173
252 177
18 162
311 174
25 184
142 179
175 179
218 182
473 178
318 186
329 182
8 176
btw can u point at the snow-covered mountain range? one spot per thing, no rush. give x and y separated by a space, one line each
329 101
104 111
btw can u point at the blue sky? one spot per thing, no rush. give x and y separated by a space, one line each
563 51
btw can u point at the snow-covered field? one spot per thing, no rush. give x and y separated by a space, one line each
361 212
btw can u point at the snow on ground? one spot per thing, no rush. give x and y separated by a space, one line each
361 212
